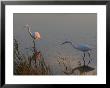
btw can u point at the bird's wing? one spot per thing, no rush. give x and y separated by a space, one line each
84 46
37 35
33 34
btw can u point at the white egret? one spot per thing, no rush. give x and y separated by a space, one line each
81 47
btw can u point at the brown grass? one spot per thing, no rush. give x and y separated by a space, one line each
25 65
25 69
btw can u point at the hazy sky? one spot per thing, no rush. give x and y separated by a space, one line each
55 28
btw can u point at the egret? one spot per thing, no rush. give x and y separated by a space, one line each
34 35
81 47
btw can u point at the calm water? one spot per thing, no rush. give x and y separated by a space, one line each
55 29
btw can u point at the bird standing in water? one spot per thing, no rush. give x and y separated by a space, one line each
81 47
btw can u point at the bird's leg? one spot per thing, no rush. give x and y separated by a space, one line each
90 59
34 48
84 59
84 63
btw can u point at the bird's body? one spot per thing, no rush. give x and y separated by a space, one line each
81 47
36 35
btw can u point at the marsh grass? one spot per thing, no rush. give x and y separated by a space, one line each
26 65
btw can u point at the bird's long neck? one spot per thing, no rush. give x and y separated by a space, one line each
29 30
74 46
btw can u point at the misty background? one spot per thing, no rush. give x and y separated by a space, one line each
56 28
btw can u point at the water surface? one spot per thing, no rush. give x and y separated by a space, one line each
56 28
